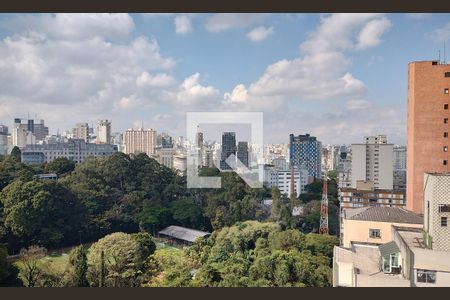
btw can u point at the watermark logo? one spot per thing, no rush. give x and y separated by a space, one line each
252 172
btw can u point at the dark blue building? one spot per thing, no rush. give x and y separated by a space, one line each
305 152
228 148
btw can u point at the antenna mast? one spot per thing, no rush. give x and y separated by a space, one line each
323 229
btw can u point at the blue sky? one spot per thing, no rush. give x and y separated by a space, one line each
337 76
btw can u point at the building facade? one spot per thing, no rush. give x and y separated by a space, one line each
284 181
428 126
104 132
242 153
372 161
366 195
75 150
140 141
305 152
437 210
3 140
81 132
228 148
165 156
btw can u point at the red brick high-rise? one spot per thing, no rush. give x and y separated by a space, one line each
428 126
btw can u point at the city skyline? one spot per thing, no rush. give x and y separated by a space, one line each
153 68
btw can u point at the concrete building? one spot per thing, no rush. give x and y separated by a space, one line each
33 157
3 140
208 158
399 165
242 153
280 163
76 150
81 132
284 181
305 152
366 195
140 141
437 211
27 131
372 161
165 156
104 132
373 224
428 126
228 148
409 256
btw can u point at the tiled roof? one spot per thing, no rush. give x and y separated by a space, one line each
383 214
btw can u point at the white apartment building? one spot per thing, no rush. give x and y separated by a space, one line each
104 132
76 150
372 161
140 141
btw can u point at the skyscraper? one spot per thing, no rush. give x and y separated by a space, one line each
104 132
27 131
228 148
3 140
305 152
81 131
399 164
140 141
242 153
372 161
428 126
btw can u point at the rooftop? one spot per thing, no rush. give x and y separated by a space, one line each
382 214
182 233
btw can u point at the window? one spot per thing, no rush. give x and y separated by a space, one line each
444 208
446 134
446 91
374 233
445 120
446 106
445 148
444 162
443 221
426 276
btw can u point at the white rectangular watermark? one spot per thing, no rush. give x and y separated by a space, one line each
252 174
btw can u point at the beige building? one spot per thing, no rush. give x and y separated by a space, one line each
366 195
104 132
140 141
428 126
373 224
81 131
372 161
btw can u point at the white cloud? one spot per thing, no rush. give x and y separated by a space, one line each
238 95
183 24
357 104
322 72
158 80
441 34
226 21
191 92
259 33
419 16
370 35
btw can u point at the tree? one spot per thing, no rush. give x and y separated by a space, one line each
16 154
39 212
8 271
146 244
122 259
60 166
78 259
30 259
276 203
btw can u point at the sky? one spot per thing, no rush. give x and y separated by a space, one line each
339 77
